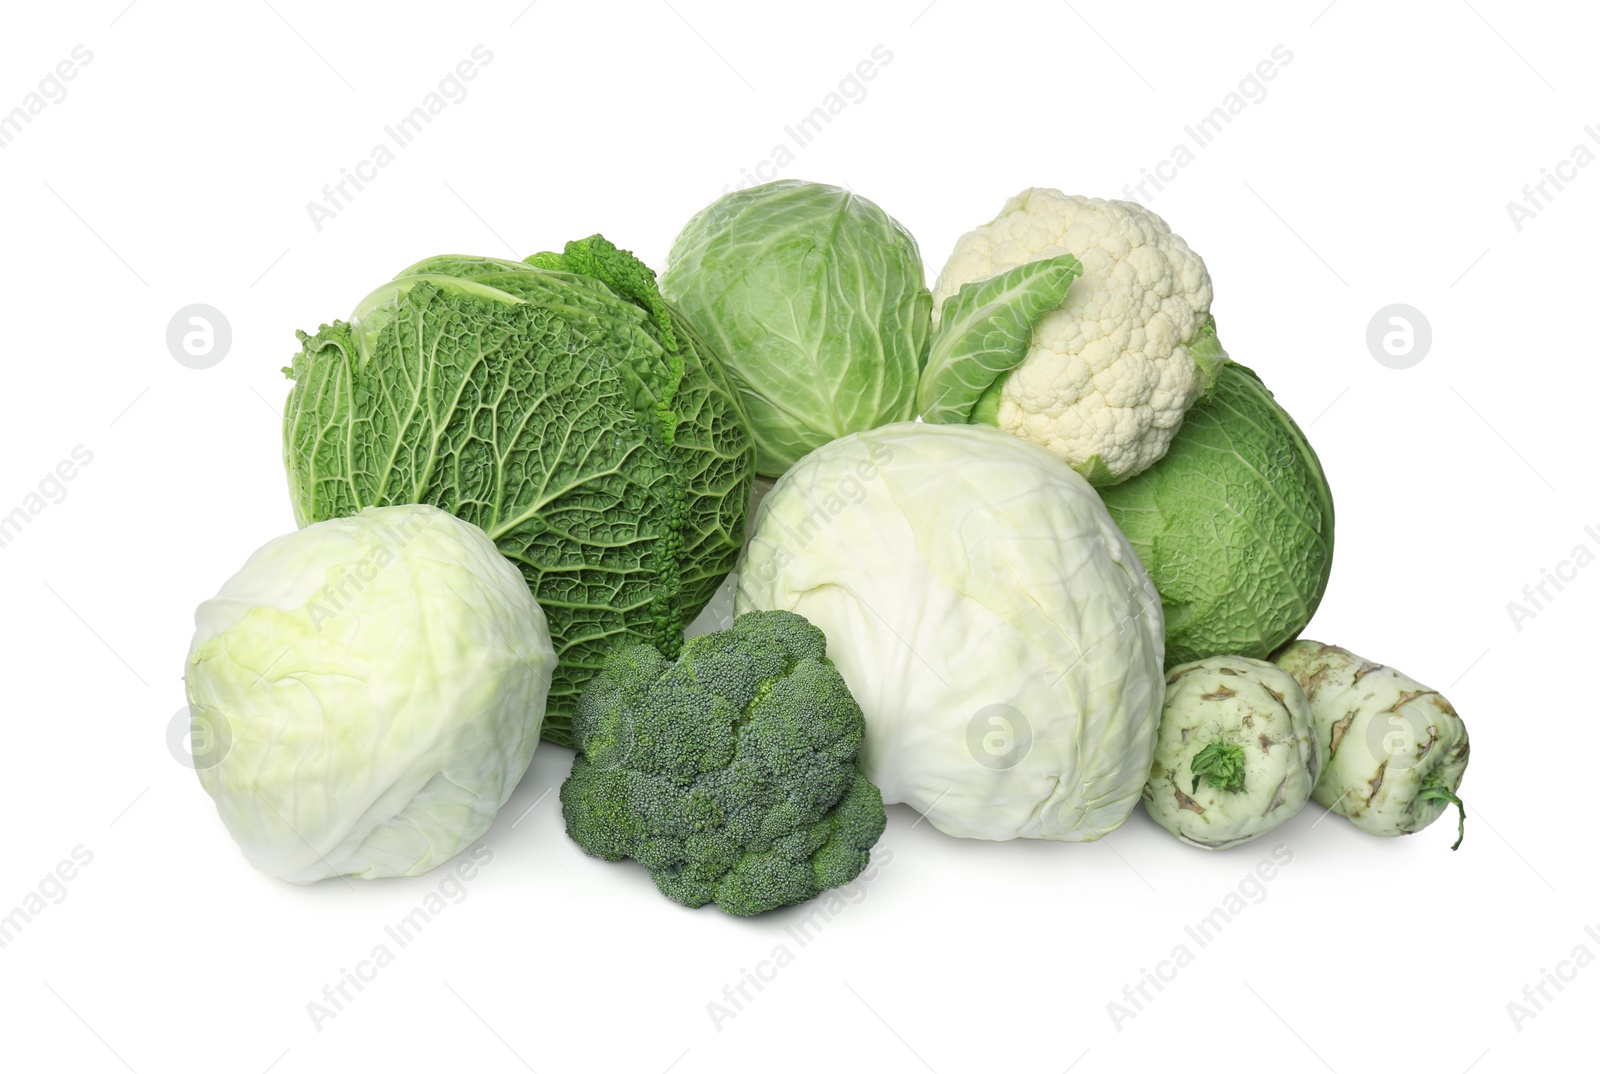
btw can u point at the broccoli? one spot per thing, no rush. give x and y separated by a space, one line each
730 772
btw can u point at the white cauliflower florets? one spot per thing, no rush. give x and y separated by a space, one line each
1108 375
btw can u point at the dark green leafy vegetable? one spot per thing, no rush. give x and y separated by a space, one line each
560 406
730 773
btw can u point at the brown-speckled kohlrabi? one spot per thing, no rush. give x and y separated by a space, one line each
1236 755
1399 749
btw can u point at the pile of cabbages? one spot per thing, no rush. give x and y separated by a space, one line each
1019 552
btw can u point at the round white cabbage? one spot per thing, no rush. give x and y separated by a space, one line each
995 626
373 688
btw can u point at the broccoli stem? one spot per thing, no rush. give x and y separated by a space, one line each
1432 790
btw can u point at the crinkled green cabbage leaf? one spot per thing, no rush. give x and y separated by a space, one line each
1235 524
560 405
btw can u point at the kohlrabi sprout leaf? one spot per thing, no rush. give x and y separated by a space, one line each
1221 764
983 334
559 405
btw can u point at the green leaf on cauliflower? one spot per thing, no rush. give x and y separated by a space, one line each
983 334
1209 357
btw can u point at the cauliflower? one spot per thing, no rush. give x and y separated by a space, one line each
1102 370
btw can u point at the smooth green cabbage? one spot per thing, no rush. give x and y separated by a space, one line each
1235 525
817 301
561 406
372 689
998 632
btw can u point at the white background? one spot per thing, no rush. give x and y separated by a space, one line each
1376 170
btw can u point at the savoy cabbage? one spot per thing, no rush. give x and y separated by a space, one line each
559 405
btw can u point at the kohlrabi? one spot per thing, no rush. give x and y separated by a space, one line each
1398 749
1237 754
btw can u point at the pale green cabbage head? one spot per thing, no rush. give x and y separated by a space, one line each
817 302
373 687
995 626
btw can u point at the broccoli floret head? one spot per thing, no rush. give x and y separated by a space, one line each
730 772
